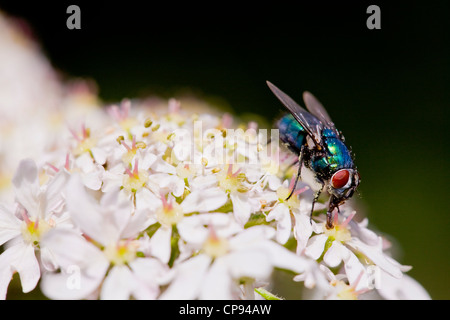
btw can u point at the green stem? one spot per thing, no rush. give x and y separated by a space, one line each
266 294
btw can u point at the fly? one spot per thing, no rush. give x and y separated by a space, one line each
323 157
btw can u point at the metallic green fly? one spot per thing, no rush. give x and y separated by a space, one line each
325 162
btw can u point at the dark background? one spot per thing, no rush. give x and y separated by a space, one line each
387 90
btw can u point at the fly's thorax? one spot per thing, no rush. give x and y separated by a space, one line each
321 165
338 156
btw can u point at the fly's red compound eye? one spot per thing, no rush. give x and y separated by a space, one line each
340 179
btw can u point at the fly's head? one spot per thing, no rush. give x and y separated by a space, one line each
343 184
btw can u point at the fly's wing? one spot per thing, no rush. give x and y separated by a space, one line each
310 123
316 108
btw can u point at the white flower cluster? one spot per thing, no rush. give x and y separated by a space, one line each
130 207
145 200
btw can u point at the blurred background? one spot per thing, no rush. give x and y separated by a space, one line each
387 90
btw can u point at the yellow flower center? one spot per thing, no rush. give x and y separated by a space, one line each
283 193
339 232
231 182
135 181
185 170
127 157
345 291
215 247
127 124
170 213
85 143
122 252
83 146
32 231
5 180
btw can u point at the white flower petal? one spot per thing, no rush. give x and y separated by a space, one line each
146 159
188 279
160 245
203 182
26 185
405 288
195 229
282 215
253 173
315 276
316 245
147 200
69 248
302 231
151 272
192 231
93 179
118 285
252 236
159 165
217 284
10 226
145 292
168 183
87 213
48 259
71 284
84 162
355 271
205 200
6 274
139 221
21 258
367 236
254 263
273 182
241 207
53 194
334 254
99 155
375 254
28 268
113 178
115 213
83 266
283 258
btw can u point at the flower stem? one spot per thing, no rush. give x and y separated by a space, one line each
267 295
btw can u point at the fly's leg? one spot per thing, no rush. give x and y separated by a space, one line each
300 162
296 180
291 165
330 217
316 197
329 220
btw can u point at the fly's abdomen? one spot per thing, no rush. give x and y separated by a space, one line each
291 133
